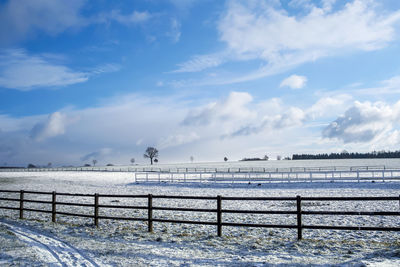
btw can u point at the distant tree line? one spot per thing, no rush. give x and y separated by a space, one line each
352 155
255 159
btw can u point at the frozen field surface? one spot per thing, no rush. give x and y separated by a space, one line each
72 241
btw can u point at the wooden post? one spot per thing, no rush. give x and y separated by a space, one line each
219 215
96 209
53 207
21 204
150 213
299 223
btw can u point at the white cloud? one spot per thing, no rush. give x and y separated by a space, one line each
384 88
106 68
53 126
281 119
364 122
236 126
294 82
271 34
233 108
261 30
291 118
175 31
201 62
329 105
24 72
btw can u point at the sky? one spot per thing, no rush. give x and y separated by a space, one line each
83 80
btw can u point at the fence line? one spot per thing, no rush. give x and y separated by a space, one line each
219 211
209 170
249 177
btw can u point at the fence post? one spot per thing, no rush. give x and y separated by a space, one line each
299 223
150 213
219 215
53 207
21 204
96 209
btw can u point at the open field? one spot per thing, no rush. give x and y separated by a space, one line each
123 243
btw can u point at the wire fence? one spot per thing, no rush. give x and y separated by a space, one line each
207 169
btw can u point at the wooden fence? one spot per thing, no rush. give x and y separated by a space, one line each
219 211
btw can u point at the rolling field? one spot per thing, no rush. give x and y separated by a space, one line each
35 240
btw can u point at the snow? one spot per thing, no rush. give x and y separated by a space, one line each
50 250
75 241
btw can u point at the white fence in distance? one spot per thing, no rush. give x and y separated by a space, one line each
269 177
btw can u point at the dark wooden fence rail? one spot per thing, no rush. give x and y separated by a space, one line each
298 200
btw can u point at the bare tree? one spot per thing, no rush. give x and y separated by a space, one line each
151 153
225 159
266 157
132 160
94 162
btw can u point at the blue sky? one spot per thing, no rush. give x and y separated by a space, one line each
83 80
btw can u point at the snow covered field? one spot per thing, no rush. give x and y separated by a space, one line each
74 241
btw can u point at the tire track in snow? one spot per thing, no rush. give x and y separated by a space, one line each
51 250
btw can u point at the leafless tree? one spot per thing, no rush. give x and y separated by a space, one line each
132 160
94 162
225 159
151 153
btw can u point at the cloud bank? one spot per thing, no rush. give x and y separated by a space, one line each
235 125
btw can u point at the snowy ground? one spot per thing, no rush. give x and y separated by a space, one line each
74 241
